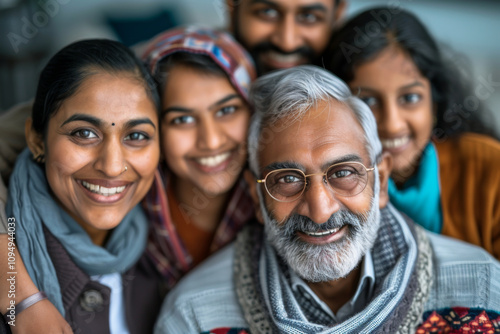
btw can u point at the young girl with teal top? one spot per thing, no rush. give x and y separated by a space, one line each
445 174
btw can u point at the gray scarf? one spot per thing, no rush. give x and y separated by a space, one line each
31 203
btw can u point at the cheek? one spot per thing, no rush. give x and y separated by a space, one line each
423 123
318 37
65 159
176 145
253 31
360 203
146 162
237 129
278 210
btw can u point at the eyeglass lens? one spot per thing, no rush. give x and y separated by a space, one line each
346 179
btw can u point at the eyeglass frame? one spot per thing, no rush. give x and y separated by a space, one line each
263 181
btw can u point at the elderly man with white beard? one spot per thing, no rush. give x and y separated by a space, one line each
331 254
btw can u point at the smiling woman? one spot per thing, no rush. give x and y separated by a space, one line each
93 150
199 198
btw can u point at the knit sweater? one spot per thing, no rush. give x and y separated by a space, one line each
464 292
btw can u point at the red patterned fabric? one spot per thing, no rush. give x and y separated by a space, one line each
165 247
460 320
216 44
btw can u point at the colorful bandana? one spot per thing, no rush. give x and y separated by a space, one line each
218 45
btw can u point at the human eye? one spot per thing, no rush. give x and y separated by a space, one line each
284 177
411 98
182 120
226 111
369 100
84 134
343 171
340 174
308 18
289 179
285 183
137 136
267 13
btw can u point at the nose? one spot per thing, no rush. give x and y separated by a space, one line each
111 159
210 135
319 201
287 34
391 120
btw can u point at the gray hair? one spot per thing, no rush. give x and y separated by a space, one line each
290 94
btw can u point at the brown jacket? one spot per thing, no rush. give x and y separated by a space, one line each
86 302
469 170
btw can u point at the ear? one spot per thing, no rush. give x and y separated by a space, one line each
384 171
252 186
33 139
340 10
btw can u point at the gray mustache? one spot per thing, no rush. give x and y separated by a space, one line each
298 223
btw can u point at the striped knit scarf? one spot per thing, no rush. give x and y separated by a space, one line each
402 259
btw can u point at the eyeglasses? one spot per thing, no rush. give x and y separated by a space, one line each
345 178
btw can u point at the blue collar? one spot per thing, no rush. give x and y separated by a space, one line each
420 196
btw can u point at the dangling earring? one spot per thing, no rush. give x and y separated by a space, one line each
40 159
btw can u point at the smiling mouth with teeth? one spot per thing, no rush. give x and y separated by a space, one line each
394 143
97 189
284 59
322 233
213 160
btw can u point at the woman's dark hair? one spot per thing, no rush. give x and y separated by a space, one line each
67 69
370 32
198 62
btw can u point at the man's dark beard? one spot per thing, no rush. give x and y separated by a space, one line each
266 46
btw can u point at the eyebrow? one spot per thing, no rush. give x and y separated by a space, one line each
134 122
413 84
188 110
292 164
314 6
224 100
283 165
345 158
85 118
98 123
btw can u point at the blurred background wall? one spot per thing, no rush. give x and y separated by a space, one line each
31 31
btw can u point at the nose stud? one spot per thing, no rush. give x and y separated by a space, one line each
125 169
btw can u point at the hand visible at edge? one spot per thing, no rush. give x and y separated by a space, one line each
42 317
